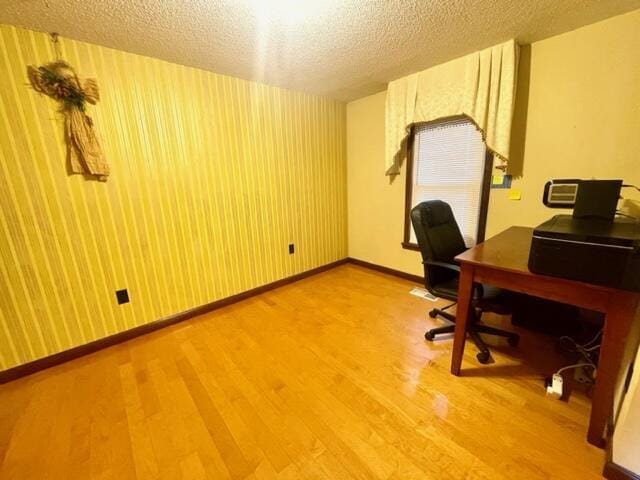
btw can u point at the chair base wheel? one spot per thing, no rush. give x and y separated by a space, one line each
483 357
433 313
429 336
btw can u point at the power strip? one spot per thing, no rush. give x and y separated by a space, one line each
554 389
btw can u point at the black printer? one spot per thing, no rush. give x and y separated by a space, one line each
592 250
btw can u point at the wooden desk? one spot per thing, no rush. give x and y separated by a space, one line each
502 261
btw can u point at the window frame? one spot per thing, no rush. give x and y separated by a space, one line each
484 196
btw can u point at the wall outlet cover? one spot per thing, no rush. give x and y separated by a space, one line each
122 296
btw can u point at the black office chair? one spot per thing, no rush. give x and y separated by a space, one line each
440 241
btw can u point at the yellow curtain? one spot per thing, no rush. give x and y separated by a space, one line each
480 86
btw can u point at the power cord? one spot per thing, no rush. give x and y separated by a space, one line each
575 365
589 356
588 351
618 212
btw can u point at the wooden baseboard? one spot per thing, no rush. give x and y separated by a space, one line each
389 271
91 347
614 471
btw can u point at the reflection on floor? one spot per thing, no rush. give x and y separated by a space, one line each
329 377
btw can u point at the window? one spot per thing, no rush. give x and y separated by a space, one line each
449 162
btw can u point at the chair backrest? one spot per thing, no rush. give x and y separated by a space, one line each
439 238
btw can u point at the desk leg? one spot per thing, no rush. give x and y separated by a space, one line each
617 327
465 287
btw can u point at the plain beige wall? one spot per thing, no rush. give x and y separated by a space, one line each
375 204
626 436
577 115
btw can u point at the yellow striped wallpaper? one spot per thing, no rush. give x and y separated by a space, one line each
212 178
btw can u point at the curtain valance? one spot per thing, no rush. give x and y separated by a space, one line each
480 86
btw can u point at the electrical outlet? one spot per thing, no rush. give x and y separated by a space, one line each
292 249
122 296
581 375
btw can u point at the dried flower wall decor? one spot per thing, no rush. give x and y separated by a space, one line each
59 81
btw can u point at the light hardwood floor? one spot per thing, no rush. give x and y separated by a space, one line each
327 378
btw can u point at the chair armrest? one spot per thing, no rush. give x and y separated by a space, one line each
455 268
448 266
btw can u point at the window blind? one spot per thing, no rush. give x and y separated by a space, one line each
448 165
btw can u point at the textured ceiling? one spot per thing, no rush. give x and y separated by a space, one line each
342 48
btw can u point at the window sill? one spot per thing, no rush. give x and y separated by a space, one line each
410 246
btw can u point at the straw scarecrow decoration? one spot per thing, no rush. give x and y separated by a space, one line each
59 81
